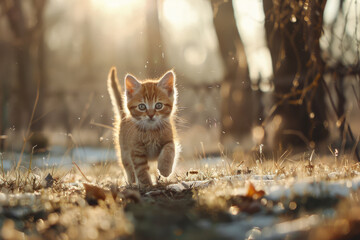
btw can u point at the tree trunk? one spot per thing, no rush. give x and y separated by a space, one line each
293 31
17 24
29 81
236 94
5 92
40 65
3 115
155 64
38 140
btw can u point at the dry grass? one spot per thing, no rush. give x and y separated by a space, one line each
52 203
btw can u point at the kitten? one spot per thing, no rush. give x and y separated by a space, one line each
144 124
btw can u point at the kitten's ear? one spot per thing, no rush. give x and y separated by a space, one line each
132 85
167 82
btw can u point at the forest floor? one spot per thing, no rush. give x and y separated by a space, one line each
310 198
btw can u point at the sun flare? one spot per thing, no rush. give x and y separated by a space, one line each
114 5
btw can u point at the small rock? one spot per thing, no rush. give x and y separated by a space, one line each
49 181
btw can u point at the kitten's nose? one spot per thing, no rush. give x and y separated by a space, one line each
151 114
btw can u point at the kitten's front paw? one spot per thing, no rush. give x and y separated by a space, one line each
145 181
165 170
145 184
131 179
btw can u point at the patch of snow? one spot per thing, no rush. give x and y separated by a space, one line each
59 157
188 184
281 230
242 228
19 212
333 175
313 188
264 179
154 193
3 198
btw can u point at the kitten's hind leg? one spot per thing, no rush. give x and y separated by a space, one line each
141 168
129 168
166 159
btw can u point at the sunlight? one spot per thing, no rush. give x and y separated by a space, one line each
191 39
331 9
112 4
117 6
250 22
352 9
195 54
179 13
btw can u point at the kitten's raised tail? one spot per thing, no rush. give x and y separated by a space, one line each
115 93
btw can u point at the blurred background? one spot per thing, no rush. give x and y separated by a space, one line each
271 75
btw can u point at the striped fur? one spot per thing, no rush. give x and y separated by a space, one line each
144 134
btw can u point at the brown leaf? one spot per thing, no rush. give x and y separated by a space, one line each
192 172
94 192
253 193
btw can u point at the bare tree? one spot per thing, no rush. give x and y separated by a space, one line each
29 82
236 94
293 30
5 65
16 19
339 68
155 64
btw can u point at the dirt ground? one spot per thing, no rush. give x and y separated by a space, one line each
296 200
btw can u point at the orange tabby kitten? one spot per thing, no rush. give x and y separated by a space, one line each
144 125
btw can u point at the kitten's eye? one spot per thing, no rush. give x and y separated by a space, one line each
158 106
142 106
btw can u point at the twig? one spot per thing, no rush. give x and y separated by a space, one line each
31 158
356 96
86 110
354 147
28 135
203 150
2 164
337 114
344 133
101 125
81 171
42 116
312 155
297 133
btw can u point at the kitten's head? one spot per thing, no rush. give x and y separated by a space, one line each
151 102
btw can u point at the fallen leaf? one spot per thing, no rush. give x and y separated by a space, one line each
192 172
94 192
253 193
